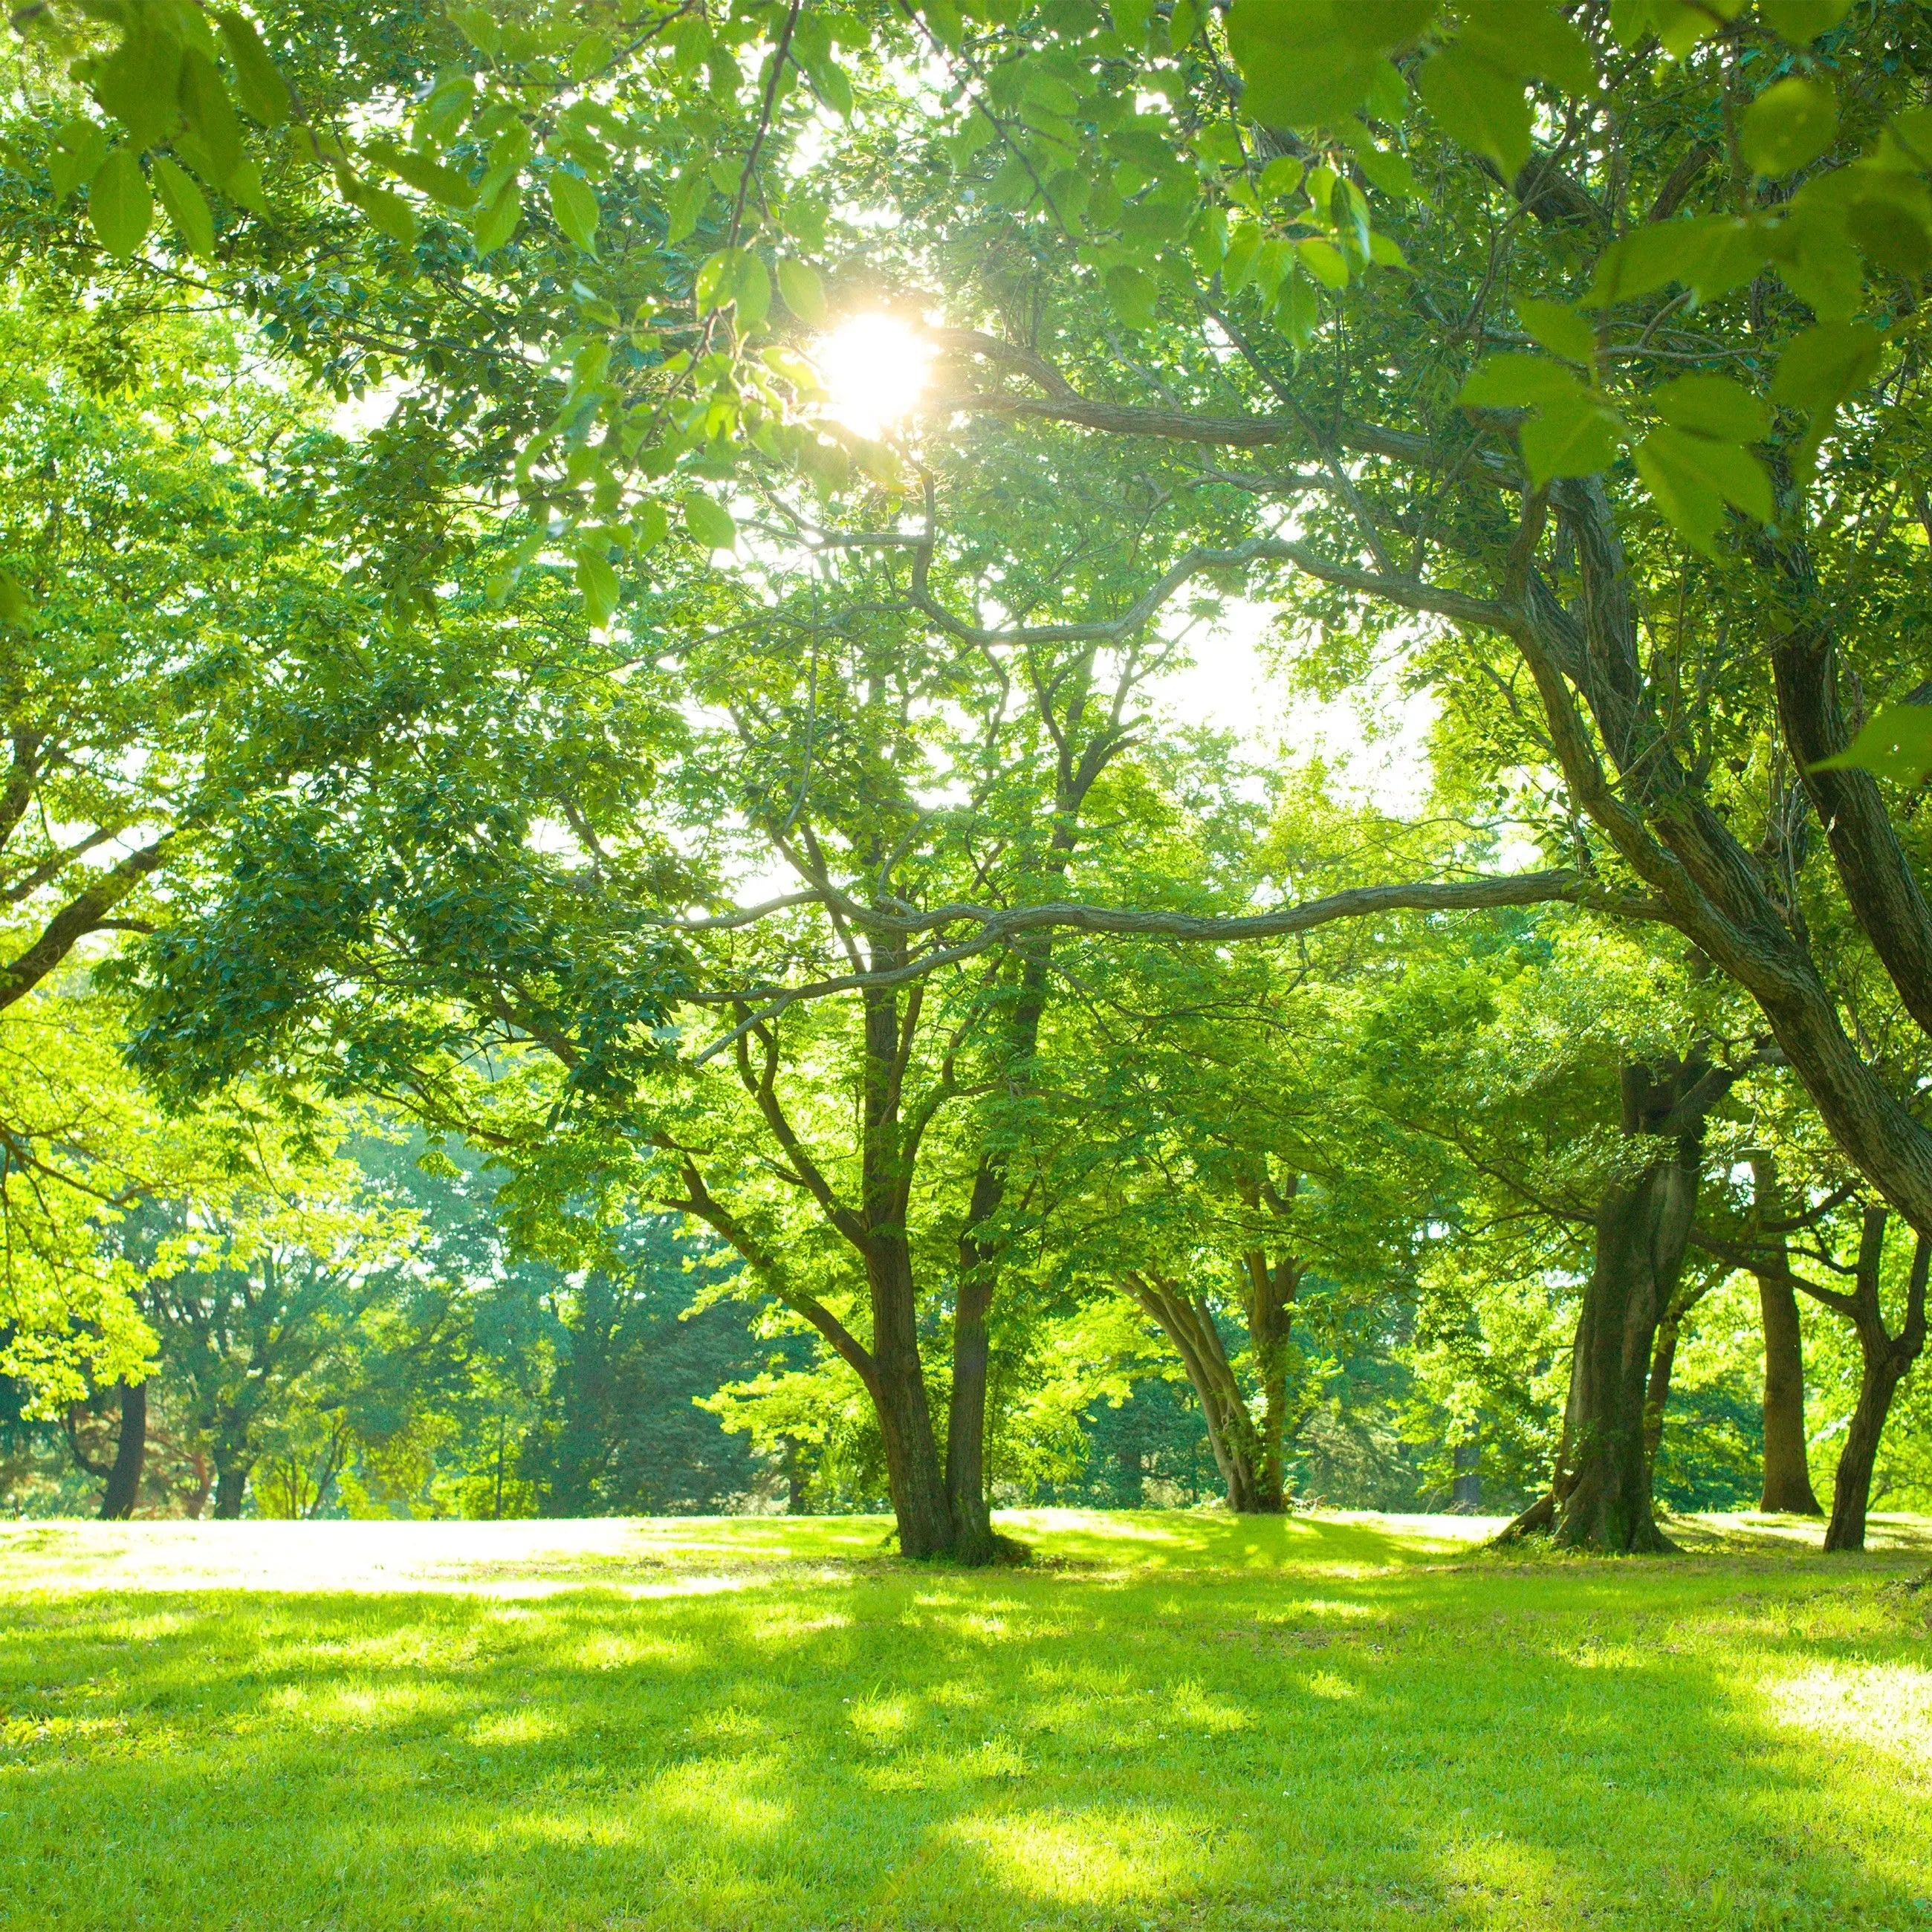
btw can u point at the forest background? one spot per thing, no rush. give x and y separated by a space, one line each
609 910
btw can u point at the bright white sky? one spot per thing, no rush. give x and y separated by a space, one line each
1231 687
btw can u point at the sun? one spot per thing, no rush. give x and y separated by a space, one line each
876 366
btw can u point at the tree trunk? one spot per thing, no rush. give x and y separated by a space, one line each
1787 1461
1603 1497
1271 1291
919 1498
124 1479
1851 1492
231 1485
1887 1357
1239 1452
966 1418
979 1268
1657 1390
1465 1463
798 1488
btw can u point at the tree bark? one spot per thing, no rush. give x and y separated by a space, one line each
1603 1495
1271 1288
966 1414
1465 1463
1887 1357
1239 1452
1787 1459
124 1479
1851 1491
919 1498
231 1486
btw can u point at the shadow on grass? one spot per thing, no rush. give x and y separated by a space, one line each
1636 1744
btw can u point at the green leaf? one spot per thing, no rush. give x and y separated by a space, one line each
1829 362
1298 68
1518 382
478 25
1384 169
573 201
1712 406
708 522
1524 39
1298 308
1134 296
1481 107
265 94
1818 371
1896 743
1324 261
751 288
1893 228
1788 126
804 293
79 149
15 608
1692 478
1659 252
493 226
834 88
186 206
1569 436
424 173
1800 22
243 185
597 582
1558 328
1281 176
210 118
388 212
593 52
119 204
138 82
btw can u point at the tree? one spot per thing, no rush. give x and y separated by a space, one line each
251 1295
1586 611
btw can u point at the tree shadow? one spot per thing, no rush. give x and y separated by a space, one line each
1637 1743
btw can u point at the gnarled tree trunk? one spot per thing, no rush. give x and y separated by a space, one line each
1600 1497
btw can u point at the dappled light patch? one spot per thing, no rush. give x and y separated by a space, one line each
371 1706
1326 1684
1880 1708
1091 1858
511 1728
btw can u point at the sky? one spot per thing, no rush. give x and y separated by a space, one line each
1231 687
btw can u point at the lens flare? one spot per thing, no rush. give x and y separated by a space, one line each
876 368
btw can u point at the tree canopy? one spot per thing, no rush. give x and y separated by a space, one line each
693 722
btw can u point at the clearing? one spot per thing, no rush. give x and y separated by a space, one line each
1334 1722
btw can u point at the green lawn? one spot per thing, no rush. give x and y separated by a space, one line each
1164 1720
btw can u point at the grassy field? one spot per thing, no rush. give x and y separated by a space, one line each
1163 1721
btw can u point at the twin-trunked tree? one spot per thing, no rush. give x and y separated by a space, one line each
1575 351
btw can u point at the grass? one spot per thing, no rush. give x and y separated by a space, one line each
1167 1719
